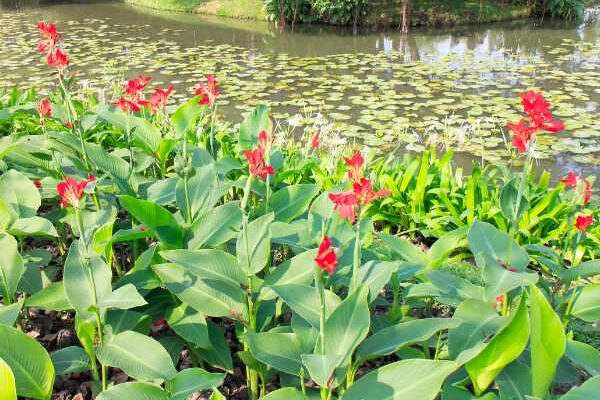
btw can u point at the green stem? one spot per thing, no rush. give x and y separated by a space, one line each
72 117
94 292
356 259
323 310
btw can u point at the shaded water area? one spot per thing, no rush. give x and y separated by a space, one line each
454 89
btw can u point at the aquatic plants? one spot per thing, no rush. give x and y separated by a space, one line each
185 253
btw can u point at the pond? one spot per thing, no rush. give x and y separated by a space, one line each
454 89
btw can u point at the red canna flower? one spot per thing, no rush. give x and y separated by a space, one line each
256 161
315 141
583 222
135 86
345 204
37 183
126 105
263 140
540 119
48 31
571 180
499 300
68 124
159 324
50 37
327 256
208 91
158 99
355 164
523 134
71 191
58 59
577 182
44 108
364 192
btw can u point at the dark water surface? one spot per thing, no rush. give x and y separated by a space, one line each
453 89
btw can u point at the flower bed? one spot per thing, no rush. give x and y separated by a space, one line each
155 252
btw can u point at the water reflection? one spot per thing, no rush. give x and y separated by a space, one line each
377 81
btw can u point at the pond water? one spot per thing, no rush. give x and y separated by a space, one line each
454 89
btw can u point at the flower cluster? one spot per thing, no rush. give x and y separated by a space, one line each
48 46
256 158
135 101
209 91
361 194
44 110
70 191
327 256
583 188
539 119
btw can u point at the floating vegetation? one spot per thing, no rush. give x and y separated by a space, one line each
459 101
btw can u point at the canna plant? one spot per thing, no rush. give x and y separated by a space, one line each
186 251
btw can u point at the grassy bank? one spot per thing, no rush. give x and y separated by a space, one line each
244 9
380 12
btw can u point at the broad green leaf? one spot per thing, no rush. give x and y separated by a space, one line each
139 356
500 280
208 264
584 270
288 393
134 391
405 249
253 247
10 313
217 226
485 238
347 326
118 169
377 274
407 379
86 281
124 298
281 351
514 382
589 390
508 201
502 349
118 321
296 270
211 297
453 289
304 300
548 342
216 395
292 201
20 194
33 226
11 266
257 120
320 367
219 354
587 303
156 218
185 116
445 246
163 192
8 390
192 380
197 198
584 356
70 359
478 320
391 339
189 324
53 298
29 362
